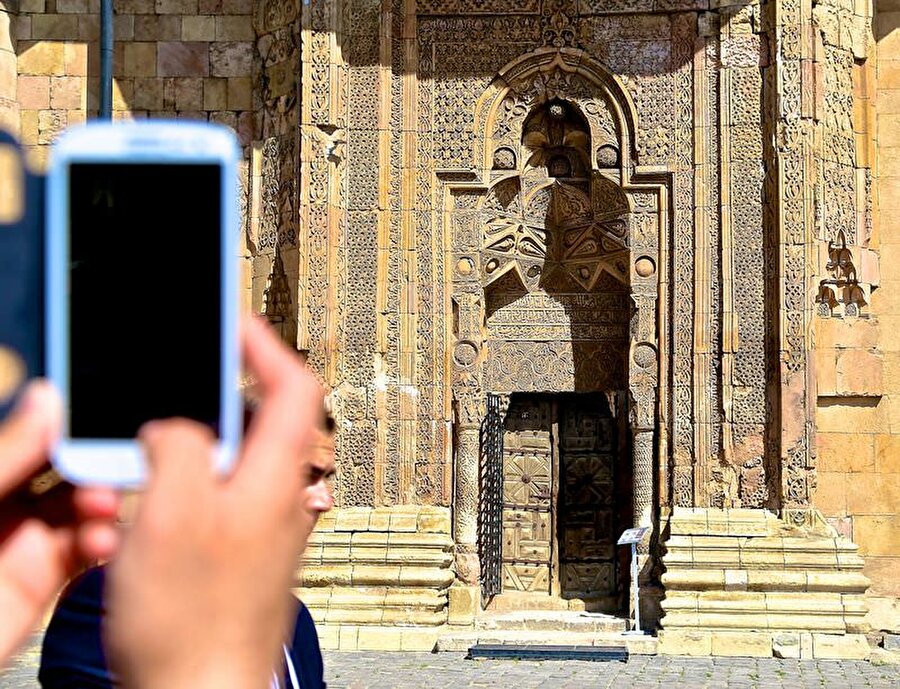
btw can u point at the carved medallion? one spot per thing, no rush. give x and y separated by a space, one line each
465 354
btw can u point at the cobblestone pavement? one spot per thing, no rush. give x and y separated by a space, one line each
346 670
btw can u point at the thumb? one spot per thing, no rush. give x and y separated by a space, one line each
180 469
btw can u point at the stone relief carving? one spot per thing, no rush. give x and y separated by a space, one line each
552 239
276 222
553 367
561 223
559 23
841 293
473 7
553 229
277 307
274 14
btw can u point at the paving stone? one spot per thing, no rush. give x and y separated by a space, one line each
381 670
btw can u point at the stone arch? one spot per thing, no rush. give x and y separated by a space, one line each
547 73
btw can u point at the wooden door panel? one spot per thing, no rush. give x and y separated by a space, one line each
587 499
525 577
527 495
588 579
527 478
527 535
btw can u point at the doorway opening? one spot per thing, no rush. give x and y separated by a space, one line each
566 496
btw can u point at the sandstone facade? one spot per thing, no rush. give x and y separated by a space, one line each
565 268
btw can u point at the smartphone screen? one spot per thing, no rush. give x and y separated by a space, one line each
144 296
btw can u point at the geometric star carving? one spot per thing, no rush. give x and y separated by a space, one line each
568 239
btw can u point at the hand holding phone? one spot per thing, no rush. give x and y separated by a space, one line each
46 536
203 549
141 290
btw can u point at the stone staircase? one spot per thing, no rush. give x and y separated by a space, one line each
540 628
742 582
545 621
381 566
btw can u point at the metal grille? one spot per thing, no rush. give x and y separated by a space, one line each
490 507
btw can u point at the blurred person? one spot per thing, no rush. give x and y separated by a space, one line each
196 593
73 656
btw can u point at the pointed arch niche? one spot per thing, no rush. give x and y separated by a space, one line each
557 237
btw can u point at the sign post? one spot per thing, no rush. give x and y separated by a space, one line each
632 537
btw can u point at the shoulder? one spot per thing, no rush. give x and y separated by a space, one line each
305 651
72 652
305 635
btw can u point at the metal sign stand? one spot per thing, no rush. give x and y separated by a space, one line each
632 537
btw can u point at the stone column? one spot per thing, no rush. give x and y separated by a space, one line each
643 378
643 383
469 410
465 521
642 458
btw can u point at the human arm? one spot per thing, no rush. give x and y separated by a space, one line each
196 596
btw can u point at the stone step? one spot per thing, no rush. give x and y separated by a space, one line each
549 652
379 548
375 605
462 641
551 621
764 580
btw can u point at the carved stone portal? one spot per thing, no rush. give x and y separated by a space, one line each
556 248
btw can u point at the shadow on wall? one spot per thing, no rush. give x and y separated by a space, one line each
886 21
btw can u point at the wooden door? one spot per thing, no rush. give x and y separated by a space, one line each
528 525
587 551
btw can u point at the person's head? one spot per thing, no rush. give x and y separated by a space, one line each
318 467
317 495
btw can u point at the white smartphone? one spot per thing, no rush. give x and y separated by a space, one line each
141 290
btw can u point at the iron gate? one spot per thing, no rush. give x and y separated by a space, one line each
490 501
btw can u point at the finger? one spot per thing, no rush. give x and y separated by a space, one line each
26 437
98 540
179 462
97 510
291 406
35 561
265 355
96 503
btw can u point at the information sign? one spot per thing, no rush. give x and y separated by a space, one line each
630 536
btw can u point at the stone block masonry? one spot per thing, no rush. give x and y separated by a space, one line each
742 583
172 59
379 566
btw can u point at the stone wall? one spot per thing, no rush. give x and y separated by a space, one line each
172 58
184 59
9 106
876 529
367 570
742 582
858 359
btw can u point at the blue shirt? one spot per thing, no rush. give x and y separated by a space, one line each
72 656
